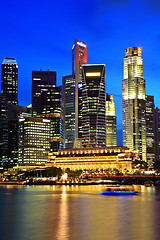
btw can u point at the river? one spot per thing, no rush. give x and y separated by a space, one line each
78 213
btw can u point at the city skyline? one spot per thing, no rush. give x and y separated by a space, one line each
107 28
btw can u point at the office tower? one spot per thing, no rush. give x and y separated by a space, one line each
3 107
94 105
52 110
157 133
9 133
79 57
133 102
111 122
150 131
3 130
34 140
41 81
68 111
9 80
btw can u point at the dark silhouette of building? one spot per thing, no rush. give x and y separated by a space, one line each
9 80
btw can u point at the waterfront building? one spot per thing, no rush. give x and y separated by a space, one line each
9 79
111 122
79 57
94 105
150 130
68 111
106 158
42 81
133 102
34 140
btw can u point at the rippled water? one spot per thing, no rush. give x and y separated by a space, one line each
78 212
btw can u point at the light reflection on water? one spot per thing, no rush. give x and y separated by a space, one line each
78 212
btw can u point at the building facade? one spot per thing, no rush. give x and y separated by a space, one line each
34 140
150 130
94 158
52 110
111 122
157 133
79 57
9 80
68 111
94 105
133 102
42 81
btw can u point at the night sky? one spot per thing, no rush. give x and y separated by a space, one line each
40 35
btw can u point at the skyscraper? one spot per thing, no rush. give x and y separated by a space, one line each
111 122
157 133
9 80
79 57
68 111
150 130
133 102
94 105
42 81
52 110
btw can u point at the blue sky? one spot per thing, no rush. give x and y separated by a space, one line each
40 34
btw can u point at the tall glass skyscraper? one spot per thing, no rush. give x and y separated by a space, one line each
79 57
9 80
150 130
94 105
133 102
68 111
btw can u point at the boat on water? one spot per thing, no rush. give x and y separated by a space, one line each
118 192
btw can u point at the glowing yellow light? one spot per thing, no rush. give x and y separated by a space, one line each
93 74
139 49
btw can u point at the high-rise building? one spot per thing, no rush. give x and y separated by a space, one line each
46 102
150 131
34 140
157 133
68 111
9 80
52 110
133 102
111 122
79 57
94 105
42 81
9 131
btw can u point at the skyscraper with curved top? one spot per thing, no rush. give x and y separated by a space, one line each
133 102
94 105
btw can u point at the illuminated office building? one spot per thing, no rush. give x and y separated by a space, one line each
52 110
46 102
150 131
9 80
133 102
34 140
79 57
111 122
42 81
94 105
157 133
68 111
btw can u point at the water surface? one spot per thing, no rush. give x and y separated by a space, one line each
78 213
